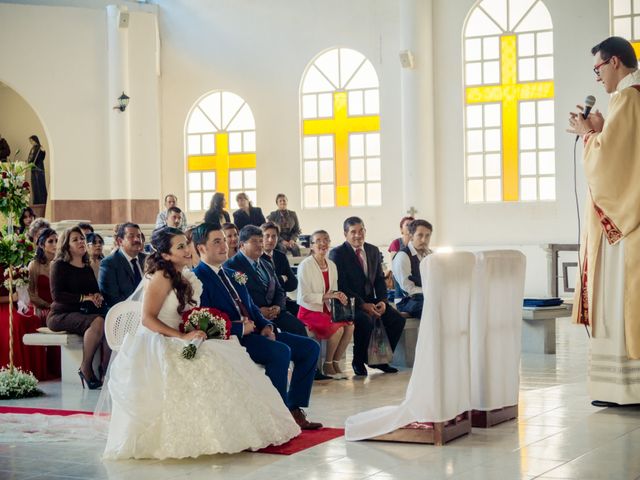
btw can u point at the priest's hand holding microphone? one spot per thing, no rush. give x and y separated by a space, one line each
584 122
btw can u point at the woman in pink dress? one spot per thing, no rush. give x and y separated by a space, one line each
317 285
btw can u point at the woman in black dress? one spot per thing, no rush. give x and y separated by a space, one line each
247 214
38 182
217 213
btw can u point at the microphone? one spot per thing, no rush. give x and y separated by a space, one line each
589 102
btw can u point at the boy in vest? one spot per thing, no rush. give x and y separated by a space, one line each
406 268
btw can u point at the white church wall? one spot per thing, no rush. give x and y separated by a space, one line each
578 25
55 57
18 122
259 50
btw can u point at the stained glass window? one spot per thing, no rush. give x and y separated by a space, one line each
625 21
509 107
340 110
221 150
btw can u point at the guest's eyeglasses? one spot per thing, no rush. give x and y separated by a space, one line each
596 69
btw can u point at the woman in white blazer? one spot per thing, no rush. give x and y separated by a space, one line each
317 285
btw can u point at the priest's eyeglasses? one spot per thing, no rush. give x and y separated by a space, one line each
596 69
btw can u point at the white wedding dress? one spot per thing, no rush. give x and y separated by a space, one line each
164 406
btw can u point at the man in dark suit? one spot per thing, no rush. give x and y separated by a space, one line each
360 276
224 289
122 271
262 283
286 277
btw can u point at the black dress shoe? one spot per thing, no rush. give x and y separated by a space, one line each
602 403
319 376
359 369
385 367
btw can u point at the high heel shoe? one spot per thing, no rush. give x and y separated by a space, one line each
93 383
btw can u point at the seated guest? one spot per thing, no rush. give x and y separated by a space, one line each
95 245
121 272
286 277
39 273
318 279
86 228
402 241
247 214
262 283
192 247
406 268
231 235
36 228
225 289
360 276
217 213
170 200
174 218
26 219
77 302
287 222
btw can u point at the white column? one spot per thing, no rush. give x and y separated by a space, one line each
118 82
417 97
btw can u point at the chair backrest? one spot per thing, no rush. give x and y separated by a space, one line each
496 328
439 385
121 319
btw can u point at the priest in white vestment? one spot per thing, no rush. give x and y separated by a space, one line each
608 291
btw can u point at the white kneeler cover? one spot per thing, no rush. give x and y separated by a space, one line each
496 329
439 385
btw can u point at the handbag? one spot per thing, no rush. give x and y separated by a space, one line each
379 351
342 313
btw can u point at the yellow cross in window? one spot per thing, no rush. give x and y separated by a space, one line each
222 162
341 125
509 93
636 47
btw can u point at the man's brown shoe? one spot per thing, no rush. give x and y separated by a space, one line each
301 419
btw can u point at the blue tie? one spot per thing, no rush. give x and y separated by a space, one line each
261 273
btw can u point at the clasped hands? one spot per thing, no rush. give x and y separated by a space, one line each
341 297
374 309
578 125
248 326
96 298
270 312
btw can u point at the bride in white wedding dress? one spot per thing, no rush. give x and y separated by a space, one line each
164 406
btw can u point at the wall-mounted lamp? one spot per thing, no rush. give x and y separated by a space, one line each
123 101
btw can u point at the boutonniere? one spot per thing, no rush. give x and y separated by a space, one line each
240 278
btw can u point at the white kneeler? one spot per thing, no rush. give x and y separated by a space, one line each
496 329
439 387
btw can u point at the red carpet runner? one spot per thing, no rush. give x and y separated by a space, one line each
307 439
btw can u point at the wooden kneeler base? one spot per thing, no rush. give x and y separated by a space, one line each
434 433
489 418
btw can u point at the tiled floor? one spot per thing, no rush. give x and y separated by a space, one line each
559 435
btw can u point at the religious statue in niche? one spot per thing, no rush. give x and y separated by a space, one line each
38 181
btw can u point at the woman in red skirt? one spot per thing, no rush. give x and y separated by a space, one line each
317 285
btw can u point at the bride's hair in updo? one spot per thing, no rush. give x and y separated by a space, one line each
161 243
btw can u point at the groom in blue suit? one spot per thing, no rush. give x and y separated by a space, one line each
224 289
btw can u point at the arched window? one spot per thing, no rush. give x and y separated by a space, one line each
221 150
340 110
625 21
509 107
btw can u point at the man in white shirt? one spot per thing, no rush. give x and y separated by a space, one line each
406 268
170 200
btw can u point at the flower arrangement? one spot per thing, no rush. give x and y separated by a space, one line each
18 384
240 278
18 275
15 253
213 322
